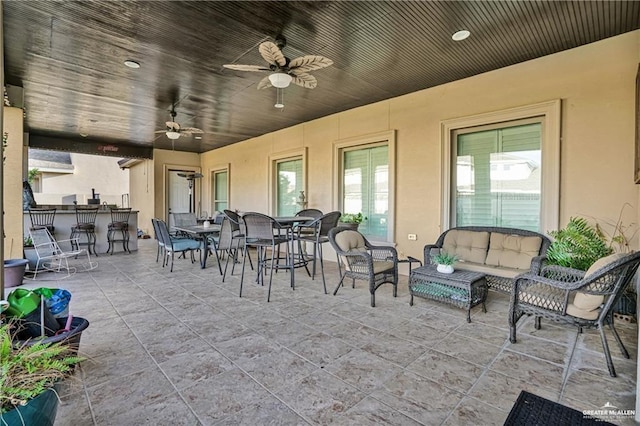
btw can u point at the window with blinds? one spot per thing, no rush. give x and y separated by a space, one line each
365 188
220 190
290 183
497 175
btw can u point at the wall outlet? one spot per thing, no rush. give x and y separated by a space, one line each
412 237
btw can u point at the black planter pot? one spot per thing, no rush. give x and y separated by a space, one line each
71 338
39 411
350 225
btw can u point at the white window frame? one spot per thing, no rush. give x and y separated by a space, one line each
361 142
274 159
212 189
549 113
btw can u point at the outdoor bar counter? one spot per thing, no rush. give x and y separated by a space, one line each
66 217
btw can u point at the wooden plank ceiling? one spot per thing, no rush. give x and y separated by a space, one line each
68 56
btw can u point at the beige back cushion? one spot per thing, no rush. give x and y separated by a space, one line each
512 251
350 240
586 305
469 246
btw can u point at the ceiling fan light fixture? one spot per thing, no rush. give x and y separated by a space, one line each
132 64
279 99
173 135
460 35
280 80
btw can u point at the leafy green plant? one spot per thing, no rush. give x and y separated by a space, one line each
444 258
577 246
28 370
33 173
352 218
28 242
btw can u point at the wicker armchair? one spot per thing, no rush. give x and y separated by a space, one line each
569 296
358 259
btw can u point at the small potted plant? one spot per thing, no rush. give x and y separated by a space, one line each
29 373
351 220
445 262
30 253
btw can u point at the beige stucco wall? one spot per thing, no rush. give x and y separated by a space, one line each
596 84
141 186
12 183
89 171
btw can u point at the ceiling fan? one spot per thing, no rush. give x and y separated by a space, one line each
174 130
283 70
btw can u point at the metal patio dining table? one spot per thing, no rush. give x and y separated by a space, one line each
202 233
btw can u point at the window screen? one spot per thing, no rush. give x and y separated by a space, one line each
366 188
497 177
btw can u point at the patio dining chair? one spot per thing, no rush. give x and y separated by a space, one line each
172 245
85 225
569 296
50 257
229 243
118 229
158 238
316 232
263 234
358 259
42 217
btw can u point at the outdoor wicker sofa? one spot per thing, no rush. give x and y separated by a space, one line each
500 253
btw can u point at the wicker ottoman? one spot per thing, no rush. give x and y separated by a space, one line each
463 289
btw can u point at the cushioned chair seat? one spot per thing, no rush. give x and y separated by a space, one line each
363 261
181 244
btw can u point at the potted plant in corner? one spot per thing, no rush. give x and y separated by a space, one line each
445 262
29 374
351 220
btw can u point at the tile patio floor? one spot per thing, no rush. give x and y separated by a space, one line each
182 348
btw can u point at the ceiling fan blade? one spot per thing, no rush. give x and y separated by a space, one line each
192 130
305 80
239 67
308 63
272 53
264 83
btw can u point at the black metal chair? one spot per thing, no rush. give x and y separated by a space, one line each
42 218
263 233
317 233
119 225
85 225
570 296
358 259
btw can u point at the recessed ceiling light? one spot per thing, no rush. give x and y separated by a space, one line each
197 137
460 35
132 64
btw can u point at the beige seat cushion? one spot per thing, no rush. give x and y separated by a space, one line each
512 251
381 266
350 240
489 270
470 246
586 305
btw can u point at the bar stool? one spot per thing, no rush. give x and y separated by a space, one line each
119 224
42 218
85 224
